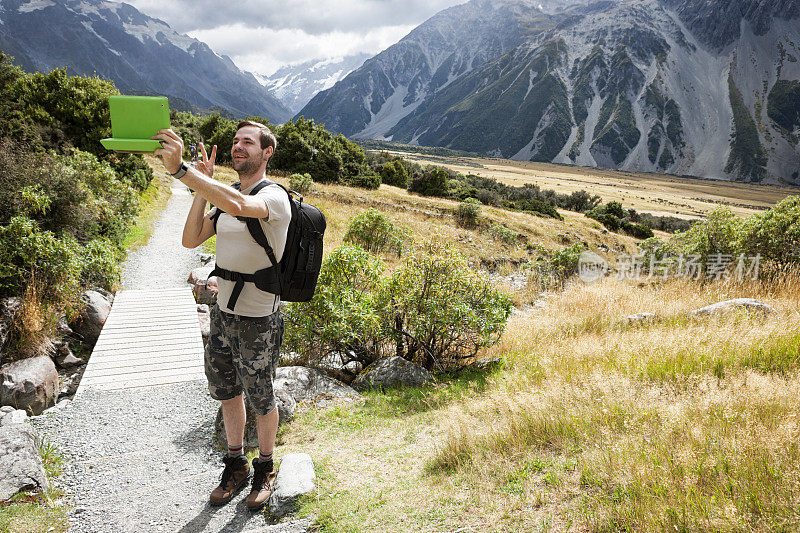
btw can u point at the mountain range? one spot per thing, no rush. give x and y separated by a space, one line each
295 85
700 87
142 55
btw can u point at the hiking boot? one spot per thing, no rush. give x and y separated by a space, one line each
233 479
263 481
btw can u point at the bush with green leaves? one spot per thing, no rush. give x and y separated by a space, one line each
501 233
394 173
306 147
373 231
775 234
342 319
432 182
301 183
614 217
468 213
439 312
368 180
434 310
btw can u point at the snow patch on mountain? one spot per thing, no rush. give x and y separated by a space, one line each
35 5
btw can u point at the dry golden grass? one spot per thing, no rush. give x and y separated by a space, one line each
658 194
593 424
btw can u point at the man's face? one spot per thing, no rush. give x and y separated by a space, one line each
246 151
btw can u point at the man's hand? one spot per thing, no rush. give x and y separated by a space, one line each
171 151
206 166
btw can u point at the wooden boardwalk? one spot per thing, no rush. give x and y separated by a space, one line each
151 337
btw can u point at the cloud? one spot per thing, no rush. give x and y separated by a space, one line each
264 50
314 17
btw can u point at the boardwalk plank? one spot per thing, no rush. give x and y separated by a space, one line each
150 338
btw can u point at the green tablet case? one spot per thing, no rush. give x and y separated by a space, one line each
134 119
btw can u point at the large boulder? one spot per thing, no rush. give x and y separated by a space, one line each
295 478
283 401
303 383
388 372
63 357
20 464
30 384
90 322
747 304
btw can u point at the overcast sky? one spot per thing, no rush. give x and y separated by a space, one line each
263 35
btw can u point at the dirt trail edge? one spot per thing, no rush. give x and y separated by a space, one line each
142 459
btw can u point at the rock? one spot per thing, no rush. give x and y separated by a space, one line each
20 465
30 384
748 304
303 383
17 416
199 275
206 258
640 318
63 356
63 327
205 292
4 410
295 478
389 372
93 317
107 295
283 401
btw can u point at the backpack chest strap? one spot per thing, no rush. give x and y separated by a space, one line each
266 280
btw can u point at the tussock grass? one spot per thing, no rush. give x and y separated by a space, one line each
680 424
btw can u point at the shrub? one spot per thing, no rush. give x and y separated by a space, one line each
301 183
375 232
432 182
467 213
439 312
394 173
720 233
775 234
368 180
501 233
99 261
342 319
565 261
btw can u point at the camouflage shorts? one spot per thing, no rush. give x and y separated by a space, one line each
242 356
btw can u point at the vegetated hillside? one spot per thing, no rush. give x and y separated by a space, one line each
140 54
684 87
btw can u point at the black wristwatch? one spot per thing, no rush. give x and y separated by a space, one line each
181 171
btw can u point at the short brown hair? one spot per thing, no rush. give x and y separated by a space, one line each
265 136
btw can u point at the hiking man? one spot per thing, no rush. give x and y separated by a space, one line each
243 349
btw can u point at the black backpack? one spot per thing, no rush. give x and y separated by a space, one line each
294 278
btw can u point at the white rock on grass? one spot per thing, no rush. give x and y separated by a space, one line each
640 318
388 372
748 304
20 465
295 477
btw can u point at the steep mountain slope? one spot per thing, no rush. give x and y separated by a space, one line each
620 84
140 54
370 100
296 85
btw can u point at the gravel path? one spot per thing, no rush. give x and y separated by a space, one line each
142 460
163 262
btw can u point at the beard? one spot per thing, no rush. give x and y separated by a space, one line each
247 166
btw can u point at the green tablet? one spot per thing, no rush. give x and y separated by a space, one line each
134 119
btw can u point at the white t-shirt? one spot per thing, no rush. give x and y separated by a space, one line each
239 252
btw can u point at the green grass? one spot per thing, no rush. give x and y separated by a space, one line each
35 512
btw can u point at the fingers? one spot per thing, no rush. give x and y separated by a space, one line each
213 154
171 134
203 151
